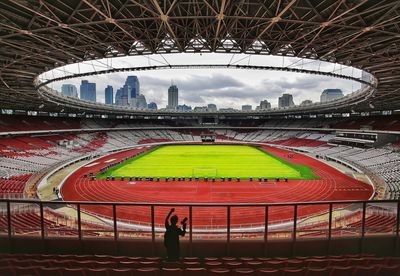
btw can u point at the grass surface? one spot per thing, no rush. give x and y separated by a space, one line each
211 161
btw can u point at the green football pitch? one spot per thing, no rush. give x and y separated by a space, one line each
209 161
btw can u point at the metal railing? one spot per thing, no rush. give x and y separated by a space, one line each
271 229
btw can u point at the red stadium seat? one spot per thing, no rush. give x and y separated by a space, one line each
247 259
148 271
191 264
22 263
210 259
317 271
393 261
96 272
191 259
99 264
172 264
275 264
357 261
244 271
317 263
30 270
338 262
364 271
73 272
121 272
293 272
233 265
228 259
152 259
7 271
148 264
81 264
172 272
268 272
388 271
341 271
254 264
49 271
195 272
129 264
213 264
59 263
45 263
294 263
219 271
375 261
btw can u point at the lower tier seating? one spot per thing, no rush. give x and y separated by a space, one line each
86 265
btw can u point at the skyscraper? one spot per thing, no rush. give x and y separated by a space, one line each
286 100
88 91
265 105
330 95
123 96
134 84
212 107
246 107
141 102
172 97
69 90
109 95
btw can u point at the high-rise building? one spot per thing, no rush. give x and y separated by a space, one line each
246 107
211 107
69 90
152 106
183 107
109 95
122 97
134 84
141 102
330 95
286 100
265 105
88 91
172 97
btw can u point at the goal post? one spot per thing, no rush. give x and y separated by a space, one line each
204 172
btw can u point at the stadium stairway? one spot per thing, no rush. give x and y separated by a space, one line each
87 265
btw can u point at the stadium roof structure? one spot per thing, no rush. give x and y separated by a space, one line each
36 36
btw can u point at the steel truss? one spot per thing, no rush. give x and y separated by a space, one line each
36 36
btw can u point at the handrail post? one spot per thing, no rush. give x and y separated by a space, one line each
330 227
78 208
228 230
266 231
364 211
153 232
9 220
294 229
191 230
397 226
398 219
41 220
115 222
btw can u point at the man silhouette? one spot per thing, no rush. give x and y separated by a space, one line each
172 233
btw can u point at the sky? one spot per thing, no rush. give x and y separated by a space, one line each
223 87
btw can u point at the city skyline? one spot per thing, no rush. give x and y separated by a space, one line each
236 91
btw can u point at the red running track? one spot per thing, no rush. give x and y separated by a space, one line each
332 185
